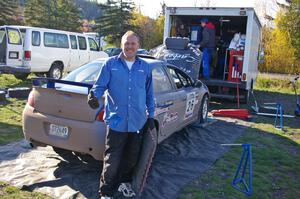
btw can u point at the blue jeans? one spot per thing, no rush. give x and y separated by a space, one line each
206 61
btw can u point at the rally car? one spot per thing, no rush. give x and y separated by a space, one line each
57 113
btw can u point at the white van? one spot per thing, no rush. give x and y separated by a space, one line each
26 49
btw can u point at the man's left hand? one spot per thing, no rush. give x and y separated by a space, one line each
150 123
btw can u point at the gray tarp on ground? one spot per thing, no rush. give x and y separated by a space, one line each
178 160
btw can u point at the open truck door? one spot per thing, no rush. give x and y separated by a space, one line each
14 47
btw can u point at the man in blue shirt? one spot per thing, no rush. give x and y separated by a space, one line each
129 111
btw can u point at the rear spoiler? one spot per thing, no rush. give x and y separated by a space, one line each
50 82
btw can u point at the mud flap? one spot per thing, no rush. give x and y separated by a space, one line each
145 160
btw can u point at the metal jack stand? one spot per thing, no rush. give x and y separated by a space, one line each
279 113
245 167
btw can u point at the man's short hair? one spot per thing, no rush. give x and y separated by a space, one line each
130 33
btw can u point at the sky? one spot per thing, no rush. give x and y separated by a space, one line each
152 8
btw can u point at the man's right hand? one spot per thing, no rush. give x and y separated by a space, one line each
92 100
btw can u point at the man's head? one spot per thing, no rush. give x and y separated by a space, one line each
204 21
130 44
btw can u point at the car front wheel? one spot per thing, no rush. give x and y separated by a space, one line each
203 111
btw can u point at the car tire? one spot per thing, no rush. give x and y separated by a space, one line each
21 76
56 71
203 111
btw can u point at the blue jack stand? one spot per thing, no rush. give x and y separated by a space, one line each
245 167
279 113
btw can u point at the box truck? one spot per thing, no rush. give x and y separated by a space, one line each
234 64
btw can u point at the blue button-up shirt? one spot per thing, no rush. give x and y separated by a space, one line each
129 97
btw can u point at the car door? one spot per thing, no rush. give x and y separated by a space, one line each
14 50
74 53
164 92
188 97
93 49
83 51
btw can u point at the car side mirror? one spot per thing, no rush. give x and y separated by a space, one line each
198 84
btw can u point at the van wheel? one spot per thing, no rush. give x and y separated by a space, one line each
56 71
21 76
203 111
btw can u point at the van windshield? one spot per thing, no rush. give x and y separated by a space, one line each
2 34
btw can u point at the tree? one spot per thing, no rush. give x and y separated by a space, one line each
115 20
290 22
55 14
280 55
8 12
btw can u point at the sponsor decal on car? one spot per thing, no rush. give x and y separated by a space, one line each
191 101
169 117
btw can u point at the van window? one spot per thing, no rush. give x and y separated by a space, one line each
14 36
56 40
2 34
73 42
82 43
36 38
93 45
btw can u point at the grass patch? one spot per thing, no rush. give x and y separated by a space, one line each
10 192
11 120
9 81
275 85
276 158
276 163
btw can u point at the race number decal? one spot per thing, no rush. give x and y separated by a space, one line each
190 105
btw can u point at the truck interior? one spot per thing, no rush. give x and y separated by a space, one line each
226 27
224 59
2 46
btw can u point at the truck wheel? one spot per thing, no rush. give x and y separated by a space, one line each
203 111
21 76
56 71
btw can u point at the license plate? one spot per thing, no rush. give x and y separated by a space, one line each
60 131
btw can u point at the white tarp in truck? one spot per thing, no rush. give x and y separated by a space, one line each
179 52
185 22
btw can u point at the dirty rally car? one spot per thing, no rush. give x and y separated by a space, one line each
57 113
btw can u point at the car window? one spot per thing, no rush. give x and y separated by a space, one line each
2 35
179 78
14 36
93 45
56 40
82 43
73 42
184 79
87 73
175 78
35 38
161 82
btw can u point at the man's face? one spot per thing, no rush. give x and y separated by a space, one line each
130 45
203 24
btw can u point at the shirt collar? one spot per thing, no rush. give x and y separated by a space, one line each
121 58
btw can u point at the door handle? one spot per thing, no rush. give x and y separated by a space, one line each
169 103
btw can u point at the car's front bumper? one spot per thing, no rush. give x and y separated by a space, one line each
14 69
84 137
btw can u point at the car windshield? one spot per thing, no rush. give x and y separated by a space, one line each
87 73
